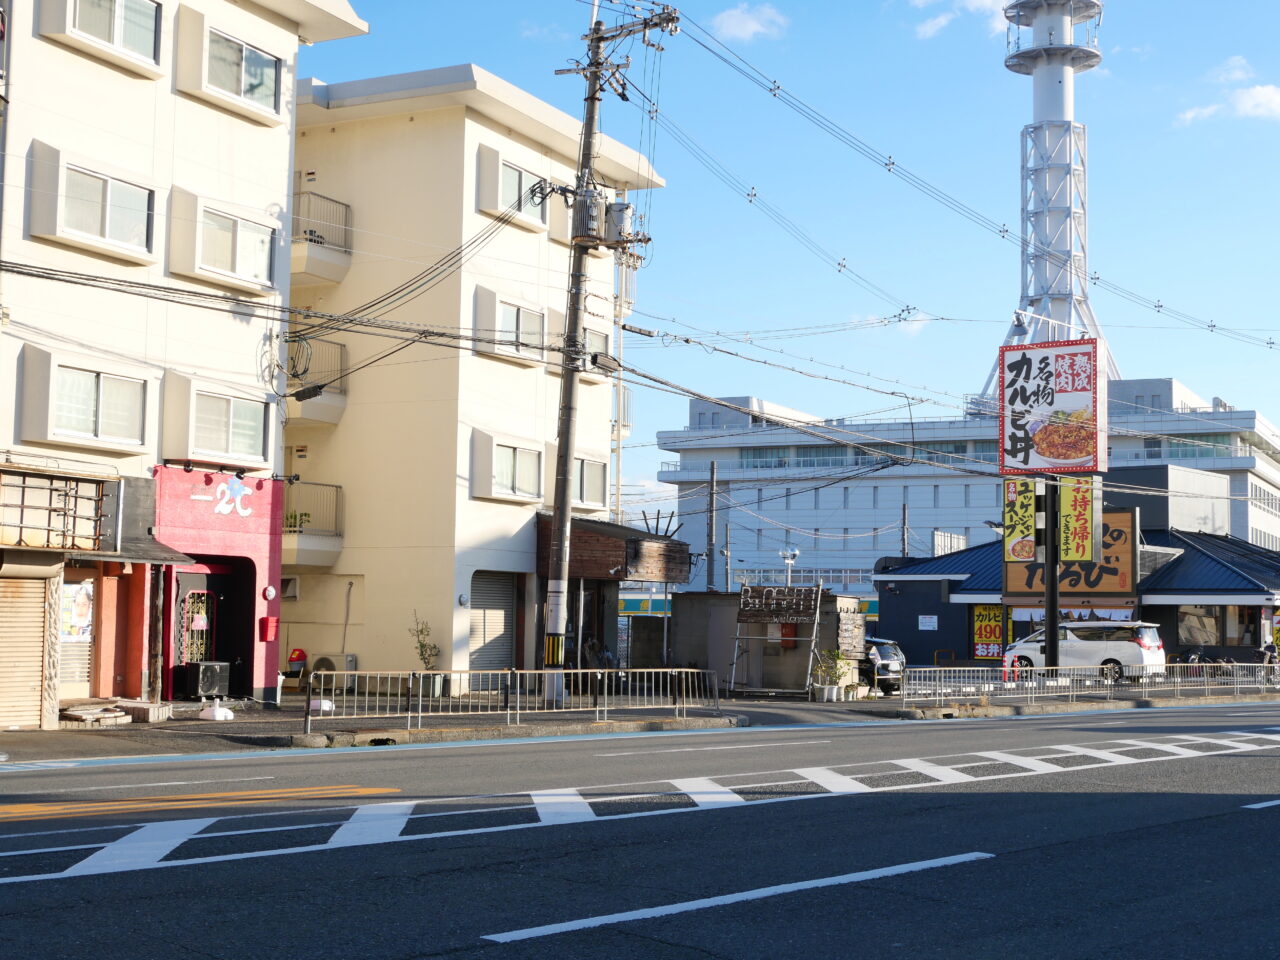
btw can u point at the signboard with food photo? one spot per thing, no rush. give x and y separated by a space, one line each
1114 574
1053 408
1020 520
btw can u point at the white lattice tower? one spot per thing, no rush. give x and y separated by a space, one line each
1055 273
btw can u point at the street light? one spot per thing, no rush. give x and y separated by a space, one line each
789 558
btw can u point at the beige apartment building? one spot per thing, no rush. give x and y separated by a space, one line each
144 229
421 474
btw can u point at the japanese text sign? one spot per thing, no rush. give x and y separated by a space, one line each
1113 575
1019 520
1053 408
1078 516
988 631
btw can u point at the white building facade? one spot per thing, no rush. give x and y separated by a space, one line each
839 491
420 477
144 224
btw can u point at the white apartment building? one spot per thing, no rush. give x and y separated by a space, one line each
782 489
421 476
144 232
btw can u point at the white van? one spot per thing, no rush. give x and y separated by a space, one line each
1118 649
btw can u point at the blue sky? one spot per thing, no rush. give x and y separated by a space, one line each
1184 136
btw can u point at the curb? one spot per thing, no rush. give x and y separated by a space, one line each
959 711
397 737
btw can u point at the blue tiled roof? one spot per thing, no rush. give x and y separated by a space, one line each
1209 563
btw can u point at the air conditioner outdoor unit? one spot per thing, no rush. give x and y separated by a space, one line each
342 662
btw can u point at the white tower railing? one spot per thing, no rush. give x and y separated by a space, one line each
1055 275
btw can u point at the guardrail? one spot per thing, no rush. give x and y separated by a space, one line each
943 685
412 696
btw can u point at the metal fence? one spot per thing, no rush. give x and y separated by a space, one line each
414 696
315 361
975 685
313 508
321 220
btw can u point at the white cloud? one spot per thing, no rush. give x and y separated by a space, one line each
1232 70
1187 117
934 24
1260 101
746 22
992 9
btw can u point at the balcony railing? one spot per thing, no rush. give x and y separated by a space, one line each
317 361
1187 453
314 508
321 220
756 467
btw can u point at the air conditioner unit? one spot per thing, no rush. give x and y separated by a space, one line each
340 662
206 678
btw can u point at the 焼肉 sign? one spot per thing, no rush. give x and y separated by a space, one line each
778 604
1053 408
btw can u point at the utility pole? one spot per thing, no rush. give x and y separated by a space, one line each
728 561
711 531
1052 547
904 521
590 230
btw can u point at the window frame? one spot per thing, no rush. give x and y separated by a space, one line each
521 349
117 27
514 491
580 482
229 454
98 435
244 48
59 22
103 237
503 165
207 210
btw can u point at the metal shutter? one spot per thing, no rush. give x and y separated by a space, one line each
22 630
493 619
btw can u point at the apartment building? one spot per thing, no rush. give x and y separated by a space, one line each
144 235
846 492
419 477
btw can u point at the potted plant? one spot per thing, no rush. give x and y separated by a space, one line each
427 652
827 671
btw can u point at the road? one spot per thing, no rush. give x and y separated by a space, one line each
1142 834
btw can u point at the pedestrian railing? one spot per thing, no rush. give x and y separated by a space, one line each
412 697
943 685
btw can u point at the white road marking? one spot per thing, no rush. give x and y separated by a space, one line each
708 794
835 782
143 848
1261 806
744 746
760 893
939 773
373 823
138 850
1027 763
1170 747
561 806
131 786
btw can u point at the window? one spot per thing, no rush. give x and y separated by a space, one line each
237 247
1139 400
589 480
817 539
759 538
108 209
786 502
91 404
231 427
1151 448
816 495
759 497
522 326
1157 401
131 25
244 71
937 495
515 184
845 495
517 471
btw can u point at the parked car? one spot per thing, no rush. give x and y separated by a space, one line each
1117 649
884 665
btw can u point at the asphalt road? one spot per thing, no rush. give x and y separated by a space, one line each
1089 836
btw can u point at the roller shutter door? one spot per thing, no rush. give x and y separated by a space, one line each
22 632
493 619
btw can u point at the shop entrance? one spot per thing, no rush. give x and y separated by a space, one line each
213 622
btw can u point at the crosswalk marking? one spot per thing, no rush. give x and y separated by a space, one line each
708 794
373 823
1028 763
151 845
561 806
939 773
835 782
143 848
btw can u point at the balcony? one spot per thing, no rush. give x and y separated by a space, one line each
312 532
675 471
321 240
317 364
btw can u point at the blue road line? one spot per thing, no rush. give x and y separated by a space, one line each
34 766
